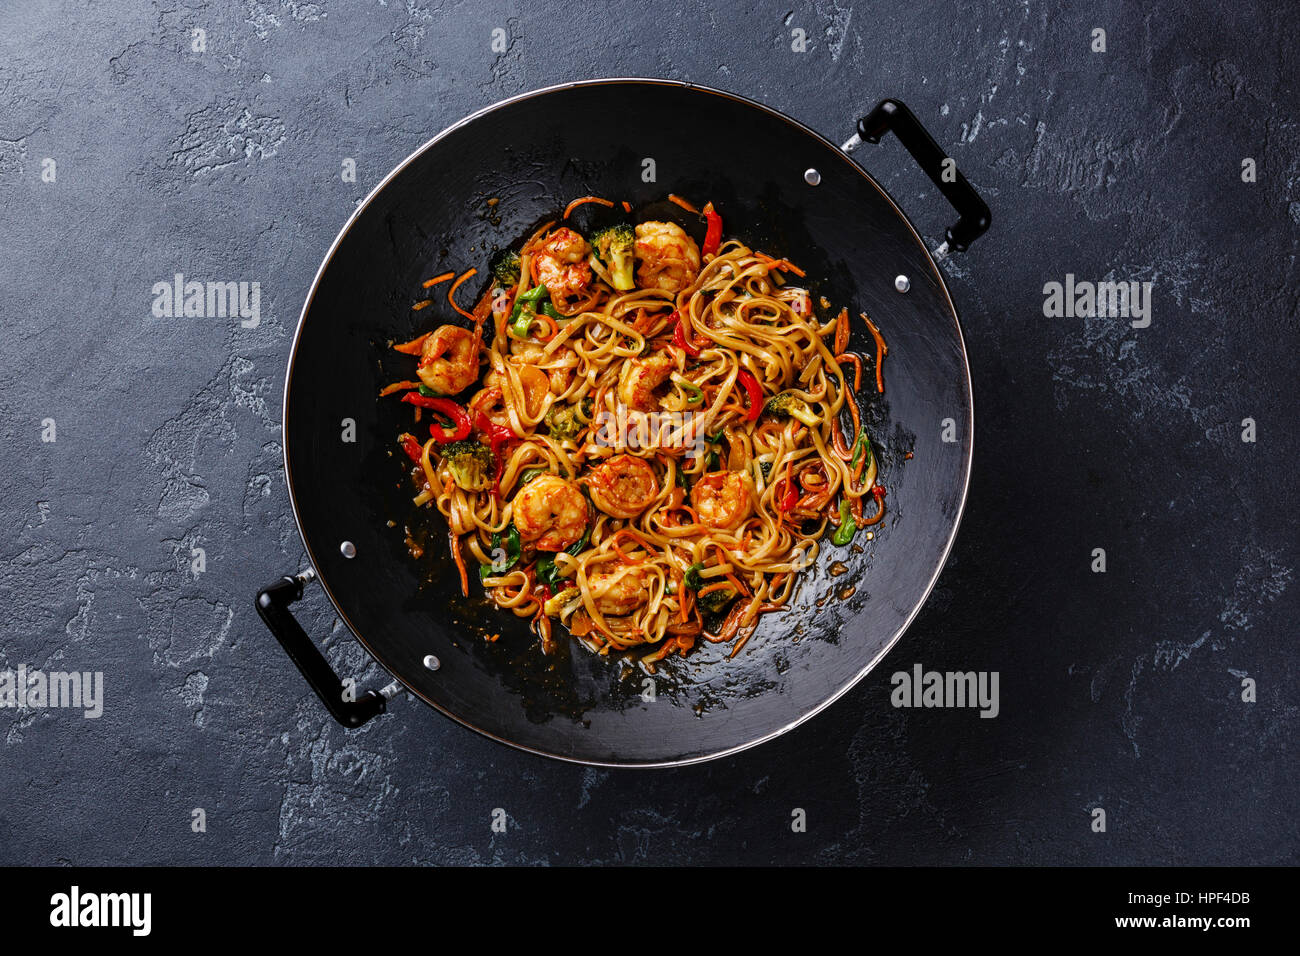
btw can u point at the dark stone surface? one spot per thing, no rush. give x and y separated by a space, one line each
1119 690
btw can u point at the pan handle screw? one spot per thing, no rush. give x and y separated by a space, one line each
348 549
432 662
902 283
812 177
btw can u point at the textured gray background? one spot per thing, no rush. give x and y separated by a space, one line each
1119 690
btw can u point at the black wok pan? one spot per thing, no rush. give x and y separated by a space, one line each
781 188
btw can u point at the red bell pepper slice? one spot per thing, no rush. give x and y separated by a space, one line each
680 340
754 391
498 435
713 235
459 418
414 450
791 496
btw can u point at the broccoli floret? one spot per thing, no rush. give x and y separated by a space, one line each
614 247
506 269
789 405
715 601
563 423
470 464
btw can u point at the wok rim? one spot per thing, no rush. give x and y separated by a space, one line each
848 684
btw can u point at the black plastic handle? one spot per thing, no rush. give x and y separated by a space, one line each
273 604
973 212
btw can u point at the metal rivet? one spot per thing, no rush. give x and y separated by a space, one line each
349 549
432 663
902 283
812 177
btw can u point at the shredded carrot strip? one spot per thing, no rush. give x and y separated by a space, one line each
619 551
857 420
857 368
737 584
842 331
881 351
422 304
634 536
781 265
837 440
627 206
397 387
585 199
414 346
430 283
716 586
549 322
637 537
681 597
451 293
614 539
683 203
460 562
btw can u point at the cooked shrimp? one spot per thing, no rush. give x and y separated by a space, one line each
562 264
640 377
449 360
534 382
722 499
624 486
550 513
618 592
670 259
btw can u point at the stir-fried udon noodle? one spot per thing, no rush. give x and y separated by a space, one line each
639 436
